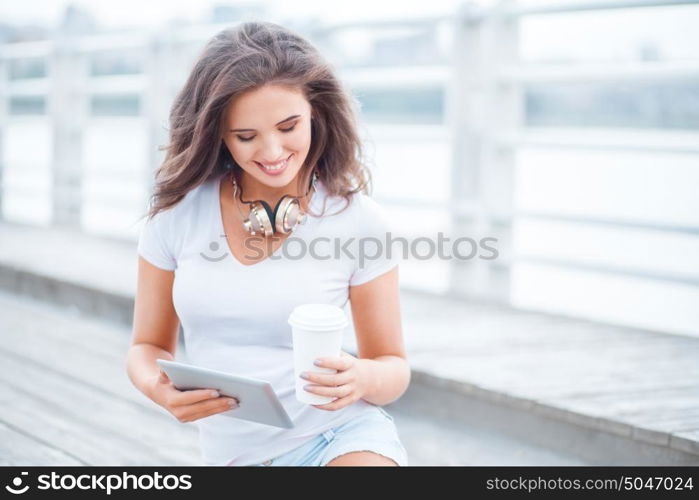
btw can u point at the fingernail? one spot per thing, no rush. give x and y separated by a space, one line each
317 362
233 402
304 375
214 394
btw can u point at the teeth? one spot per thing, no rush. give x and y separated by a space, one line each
276 166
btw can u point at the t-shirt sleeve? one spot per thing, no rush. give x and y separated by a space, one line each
374 255
155 242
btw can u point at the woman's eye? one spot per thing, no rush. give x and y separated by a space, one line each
246 139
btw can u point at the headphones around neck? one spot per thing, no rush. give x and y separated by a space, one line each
285 217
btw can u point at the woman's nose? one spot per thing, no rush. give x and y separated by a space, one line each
271 151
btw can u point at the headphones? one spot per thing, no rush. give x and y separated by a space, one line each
285 217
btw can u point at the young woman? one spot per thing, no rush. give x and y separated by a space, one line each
263 118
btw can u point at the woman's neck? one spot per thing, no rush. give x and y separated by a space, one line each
254 190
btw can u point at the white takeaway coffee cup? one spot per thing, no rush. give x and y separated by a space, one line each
317 331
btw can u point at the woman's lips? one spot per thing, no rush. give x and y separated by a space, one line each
278 171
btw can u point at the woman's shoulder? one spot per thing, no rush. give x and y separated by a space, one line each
354 203
162 236
358 210
364 206
191 202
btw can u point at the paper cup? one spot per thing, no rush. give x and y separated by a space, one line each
317 331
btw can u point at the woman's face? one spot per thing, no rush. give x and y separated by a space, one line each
268 132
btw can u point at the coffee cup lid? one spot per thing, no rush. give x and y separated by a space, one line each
318 317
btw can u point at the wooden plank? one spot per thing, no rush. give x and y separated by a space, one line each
107 429
91 445
35 332
97 375
16 448
107 374
41 320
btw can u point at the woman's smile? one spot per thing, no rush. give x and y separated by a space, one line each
274 168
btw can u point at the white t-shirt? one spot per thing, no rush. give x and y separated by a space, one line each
234 316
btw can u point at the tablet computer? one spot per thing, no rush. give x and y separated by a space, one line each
257 401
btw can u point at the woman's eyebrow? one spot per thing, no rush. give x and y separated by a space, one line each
253 130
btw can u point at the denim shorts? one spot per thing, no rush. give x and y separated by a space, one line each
372 431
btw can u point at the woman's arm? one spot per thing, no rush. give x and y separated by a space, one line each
380 347
155 326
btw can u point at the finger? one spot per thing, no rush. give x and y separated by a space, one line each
335 392
163 377
194 396
206 409
217 405
337 404
340 363
329 379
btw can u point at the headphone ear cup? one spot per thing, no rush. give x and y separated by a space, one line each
278 216
287 214
266 217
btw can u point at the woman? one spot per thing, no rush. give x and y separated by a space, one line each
261 117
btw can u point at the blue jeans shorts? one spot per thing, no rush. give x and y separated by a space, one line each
372 431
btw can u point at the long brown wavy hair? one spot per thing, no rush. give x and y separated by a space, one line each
243 58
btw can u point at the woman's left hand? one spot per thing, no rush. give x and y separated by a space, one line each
347 385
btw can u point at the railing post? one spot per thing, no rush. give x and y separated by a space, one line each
4 120
463 105
506 110
160 62
68 110
483 175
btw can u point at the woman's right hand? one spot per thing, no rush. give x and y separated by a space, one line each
188 406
